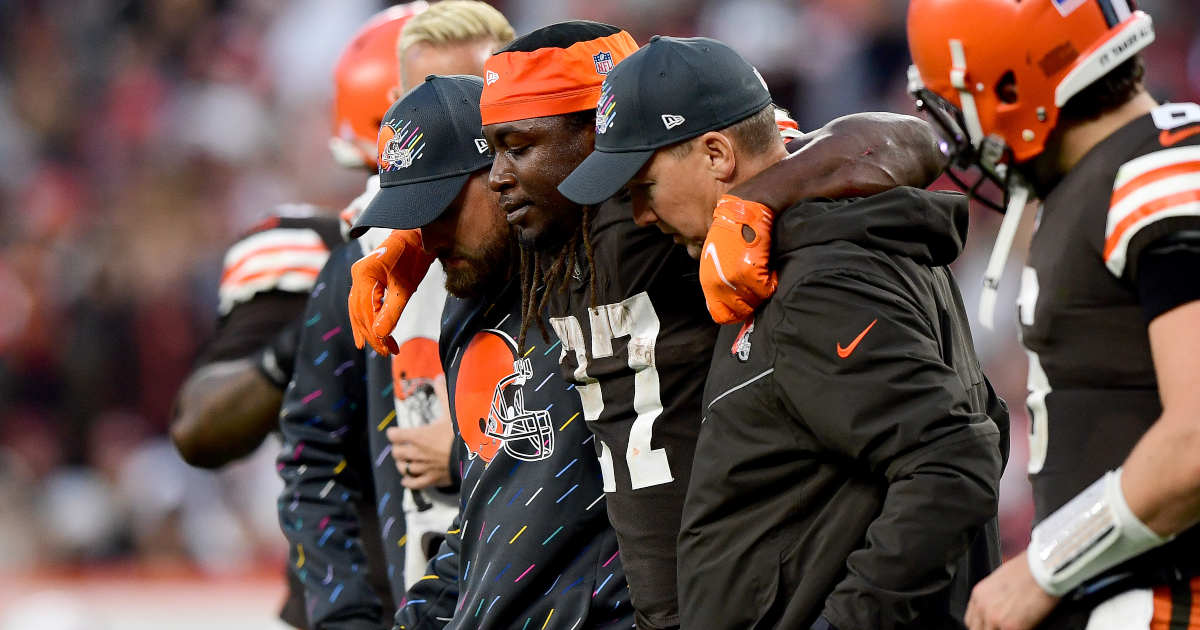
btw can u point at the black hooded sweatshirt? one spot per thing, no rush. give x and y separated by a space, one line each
849 462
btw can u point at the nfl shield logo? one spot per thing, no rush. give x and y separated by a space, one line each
1065 7
604 62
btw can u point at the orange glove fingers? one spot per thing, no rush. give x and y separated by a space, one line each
369 276
359 304
404 275
384 280
734 270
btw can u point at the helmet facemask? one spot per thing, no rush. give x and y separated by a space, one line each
992 158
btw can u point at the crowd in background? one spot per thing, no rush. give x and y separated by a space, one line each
138 138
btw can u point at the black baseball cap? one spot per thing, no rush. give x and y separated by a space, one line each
671 90
430 143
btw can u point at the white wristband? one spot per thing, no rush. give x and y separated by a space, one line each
1092 533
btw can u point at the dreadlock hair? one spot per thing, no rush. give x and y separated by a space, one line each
543 273
550 272
557 273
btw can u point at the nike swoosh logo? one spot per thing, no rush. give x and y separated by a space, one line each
1168 138
379 252
845 352
711 251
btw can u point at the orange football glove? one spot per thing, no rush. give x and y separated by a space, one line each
398 265
733 266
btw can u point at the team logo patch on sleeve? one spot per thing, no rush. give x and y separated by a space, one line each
603 61
741 345
400 144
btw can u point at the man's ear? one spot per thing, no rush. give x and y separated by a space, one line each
395 93
719 157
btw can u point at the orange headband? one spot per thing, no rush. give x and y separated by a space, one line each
549 81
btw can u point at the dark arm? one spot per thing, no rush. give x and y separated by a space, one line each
224 412
228 405
853 156
892 409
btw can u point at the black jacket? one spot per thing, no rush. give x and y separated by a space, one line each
852 449
335 452
532 546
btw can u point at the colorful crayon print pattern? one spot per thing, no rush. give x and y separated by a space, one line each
400 144
532 547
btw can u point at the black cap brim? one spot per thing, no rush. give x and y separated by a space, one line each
409 206
601 175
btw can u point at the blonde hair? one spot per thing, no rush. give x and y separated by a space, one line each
454 22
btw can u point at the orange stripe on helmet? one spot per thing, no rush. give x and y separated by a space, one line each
550 81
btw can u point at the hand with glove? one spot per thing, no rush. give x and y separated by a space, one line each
733 265
383 281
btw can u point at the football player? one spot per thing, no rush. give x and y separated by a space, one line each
338 391
230 402
1046 96
625 302
849 482
532 542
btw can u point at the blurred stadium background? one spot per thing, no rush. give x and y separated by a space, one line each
139 137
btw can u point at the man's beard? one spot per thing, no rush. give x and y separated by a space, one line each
485 269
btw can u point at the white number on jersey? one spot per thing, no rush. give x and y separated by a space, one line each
1037 384
1171 115
634 318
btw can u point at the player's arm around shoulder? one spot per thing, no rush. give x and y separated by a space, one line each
853 156
860 364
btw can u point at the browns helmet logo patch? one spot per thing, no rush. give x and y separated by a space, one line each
489 400
400 144
416 369
741 345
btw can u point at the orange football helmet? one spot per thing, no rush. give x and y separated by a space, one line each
363 79
993 74
489 401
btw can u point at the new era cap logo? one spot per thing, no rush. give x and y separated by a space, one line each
492 77
481 144
672 121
